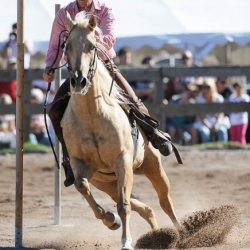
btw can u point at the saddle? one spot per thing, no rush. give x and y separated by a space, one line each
149 126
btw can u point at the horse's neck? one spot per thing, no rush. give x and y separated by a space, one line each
91 103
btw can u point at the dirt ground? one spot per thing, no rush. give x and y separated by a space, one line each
207 179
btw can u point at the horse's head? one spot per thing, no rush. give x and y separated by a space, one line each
81 49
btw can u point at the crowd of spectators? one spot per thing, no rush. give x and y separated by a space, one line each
205 128
185 130
202 128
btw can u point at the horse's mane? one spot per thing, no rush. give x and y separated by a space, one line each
105 81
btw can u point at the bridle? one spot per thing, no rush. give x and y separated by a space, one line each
92 67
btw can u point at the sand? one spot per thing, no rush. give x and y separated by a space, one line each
208 179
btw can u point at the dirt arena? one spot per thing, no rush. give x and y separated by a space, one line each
208 179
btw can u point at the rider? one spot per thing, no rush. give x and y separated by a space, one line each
105 20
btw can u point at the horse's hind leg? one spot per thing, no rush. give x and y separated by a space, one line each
143 210
153 170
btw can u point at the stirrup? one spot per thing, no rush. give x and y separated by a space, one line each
70 179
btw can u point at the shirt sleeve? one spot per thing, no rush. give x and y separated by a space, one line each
58 26
106 24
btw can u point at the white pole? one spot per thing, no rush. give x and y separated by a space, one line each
57 181
19 126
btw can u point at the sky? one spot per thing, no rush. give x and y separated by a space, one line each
141 22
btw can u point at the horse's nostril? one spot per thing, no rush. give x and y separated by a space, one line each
83 82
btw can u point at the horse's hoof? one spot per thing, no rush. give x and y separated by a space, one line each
117 221
126 244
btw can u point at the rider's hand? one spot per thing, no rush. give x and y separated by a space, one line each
48 74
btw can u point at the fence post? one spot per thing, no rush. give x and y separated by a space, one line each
158 98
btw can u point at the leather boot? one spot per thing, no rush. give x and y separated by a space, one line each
70 179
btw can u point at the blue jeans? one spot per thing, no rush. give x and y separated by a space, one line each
43 140
221 134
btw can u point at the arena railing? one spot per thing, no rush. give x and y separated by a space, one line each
157 75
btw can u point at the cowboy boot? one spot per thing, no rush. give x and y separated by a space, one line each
70 179
163 143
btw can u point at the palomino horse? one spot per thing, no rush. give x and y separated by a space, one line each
97 133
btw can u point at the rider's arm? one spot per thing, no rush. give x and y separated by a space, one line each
106 24
57 27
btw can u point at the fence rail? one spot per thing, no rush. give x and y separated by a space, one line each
143 73
165 110
157 109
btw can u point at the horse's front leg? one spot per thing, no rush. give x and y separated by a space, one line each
83 173
143 210
124 175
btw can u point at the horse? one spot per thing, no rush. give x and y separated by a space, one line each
97 134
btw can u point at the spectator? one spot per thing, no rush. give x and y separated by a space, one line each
36 96
41 84
210 125
10 48
172 87
145 89
223 88
181 128
9 87
194 89
38 133
7 125
148 60
124 57
239 121
187 59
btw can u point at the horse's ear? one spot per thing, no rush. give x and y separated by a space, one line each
69 21
92 23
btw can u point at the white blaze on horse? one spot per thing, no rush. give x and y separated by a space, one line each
97 133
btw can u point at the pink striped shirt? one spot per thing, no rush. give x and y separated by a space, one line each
105 20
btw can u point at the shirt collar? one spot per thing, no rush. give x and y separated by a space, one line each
95 6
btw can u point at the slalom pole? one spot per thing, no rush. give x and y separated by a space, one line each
57 171
19 126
